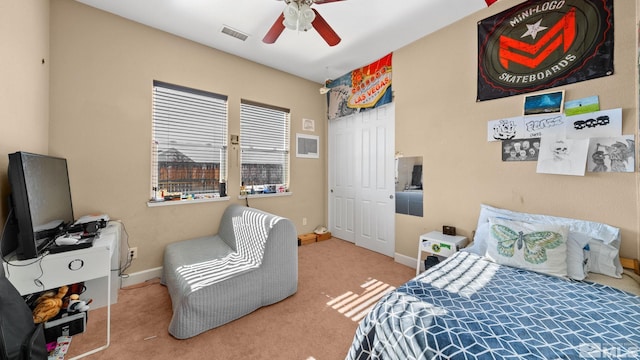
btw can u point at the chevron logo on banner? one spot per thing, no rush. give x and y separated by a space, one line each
562 34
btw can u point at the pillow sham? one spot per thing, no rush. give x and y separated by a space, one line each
479 244
603 258
581 233
536 247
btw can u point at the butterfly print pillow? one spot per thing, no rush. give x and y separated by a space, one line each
536 247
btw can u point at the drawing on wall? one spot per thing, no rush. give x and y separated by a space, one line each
521 149
504 129
559 155
544 104
606 123
612 154
582 106
520 127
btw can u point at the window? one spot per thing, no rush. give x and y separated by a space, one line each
189 147
264 139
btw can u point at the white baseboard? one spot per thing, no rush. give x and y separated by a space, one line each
141 276
405 260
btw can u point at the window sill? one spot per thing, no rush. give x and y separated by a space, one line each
253 196
184 202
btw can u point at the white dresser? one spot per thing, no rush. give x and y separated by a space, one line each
97 266
91 265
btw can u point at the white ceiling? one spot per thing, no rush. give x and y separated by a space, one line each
369 29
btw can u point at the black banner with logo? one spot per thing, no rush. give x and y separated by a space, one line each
542 44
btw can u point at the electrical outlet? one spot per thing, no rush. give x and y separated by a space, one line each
304 221
133 253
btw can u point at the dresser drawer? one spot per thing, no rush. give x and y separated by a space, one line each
55 270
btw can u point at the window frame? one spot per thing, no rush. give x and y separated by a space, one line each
249 143
178 112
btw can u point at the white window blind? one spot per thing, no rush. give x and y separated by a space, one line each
189 149
264 140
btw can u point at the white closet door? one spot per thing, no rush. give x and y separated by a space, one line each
361 179
342 181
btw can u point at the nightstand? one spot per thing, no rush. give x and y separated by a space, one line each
437 243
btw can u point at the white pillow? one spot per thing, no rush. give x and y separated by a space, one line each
581 232
536 247
577 255
603 258
479 244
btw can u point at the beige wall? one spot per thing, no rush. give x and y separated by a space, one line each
102 67
24 83
435 84
102 71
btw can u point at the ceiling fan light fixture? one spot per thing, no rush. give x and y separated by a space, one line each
291 11
291 16
306 14
291 25
305 26
298 15
305 17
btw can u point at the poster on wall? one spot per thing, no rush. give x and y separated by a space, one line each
562 156
540 44
596 124
614 154
521 149
523 127
364 88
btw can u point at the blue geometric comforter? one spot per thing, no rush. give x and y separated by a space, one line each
470 308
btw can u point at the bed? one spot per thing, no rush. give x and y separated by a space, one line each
477 305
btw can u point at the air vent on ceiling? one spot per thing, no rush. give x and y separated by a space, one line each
234 33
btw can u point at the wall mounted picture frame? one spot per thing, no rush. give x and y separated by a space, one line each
544 104
307 146
308 125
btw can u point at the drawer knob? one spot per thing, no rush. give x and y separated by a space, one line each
76 264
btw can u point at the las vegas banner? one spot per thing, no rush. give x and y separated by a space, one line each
542 44
364 88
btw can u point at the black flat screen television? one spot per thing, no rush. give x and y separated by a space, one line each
40 203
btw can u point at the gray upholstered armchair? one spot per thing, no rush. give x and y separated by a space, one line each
250 263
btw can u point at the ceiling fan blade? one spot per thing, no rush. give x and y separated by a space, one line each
325 1
323 28
275 31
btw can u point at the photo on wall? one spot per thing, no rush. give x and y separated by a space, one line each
544 104
521 149
612 154
582 106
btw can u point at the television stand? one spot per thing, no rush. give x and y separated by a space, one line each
89 265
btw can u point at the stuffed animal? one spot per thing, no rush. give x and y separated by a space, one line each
76 305
48 305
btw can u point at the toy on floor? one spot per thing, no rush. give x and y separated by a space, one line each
48 305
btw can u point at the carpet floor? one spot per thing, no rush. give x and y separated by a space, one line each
337 283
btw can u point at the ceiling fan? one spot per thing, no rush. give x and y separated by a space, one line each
298 15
